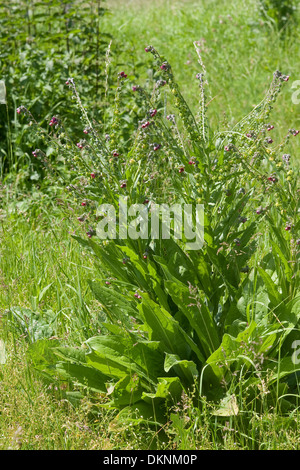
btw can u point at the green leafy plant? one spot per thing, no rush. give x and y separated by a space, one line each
280 13
218 318
41 44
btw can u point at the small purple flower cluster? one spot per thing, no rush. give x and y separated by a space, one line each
122 75
286 158
161 83
149 48
273 179
91 233
21 109
53 122
145 124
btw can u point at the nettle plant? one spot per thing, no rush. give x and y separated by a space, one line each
220 320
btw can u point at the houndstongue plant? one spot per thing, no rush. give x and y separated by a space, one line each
212 319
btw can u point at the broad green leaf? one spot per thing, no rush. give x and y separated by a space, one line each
115 303
203 270
71 354
197 314
126 391
186 370
117 356
84 375
287 267
271 287
151 413
230 350
164 328
168 388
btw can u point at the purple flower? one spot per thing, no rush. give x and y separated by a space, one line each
164 66
145 124
53 122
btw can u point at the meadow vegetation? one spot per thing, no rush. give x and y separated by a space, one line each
143 344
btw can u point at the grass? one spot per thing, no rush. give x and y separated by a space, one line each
43 269
239 52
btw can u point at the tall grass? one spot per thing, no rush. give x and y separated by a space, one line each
87 315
